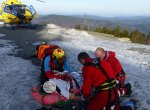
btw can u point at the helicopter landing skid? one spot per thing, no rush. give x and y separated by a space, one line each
23 25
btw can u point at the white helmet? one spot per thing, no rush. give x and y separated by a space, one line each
49 87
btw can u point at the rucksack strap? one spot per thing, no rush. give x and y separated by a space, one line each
96 63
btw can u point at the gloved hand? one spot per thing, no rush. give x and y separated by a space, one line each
69 77
53 74
66 76
56 72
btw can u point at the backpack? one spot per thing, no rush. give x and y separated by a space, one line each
45 50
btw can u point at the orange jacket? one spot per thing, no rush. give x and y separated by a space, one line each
45 50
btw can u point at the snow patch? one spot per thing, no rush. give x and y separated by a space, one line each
124 40
53 26
2 35
1 24
18 76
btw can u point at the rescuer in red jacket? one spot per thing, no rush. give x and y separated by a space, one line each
99 85
110 57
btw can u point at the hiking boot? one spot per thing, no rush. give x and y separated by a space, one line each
126 108
128 89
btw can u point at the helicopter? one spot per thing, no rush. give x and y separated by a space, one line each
14 13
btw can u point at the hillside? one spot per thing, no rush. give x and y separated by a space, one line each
71 21
131 23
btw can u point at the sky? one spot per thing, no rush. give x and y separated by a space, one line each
92 7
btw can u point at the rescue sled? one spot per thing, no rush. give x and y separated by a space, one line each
51 96
47 99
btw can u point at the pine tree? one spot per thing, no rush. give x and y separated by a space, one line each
85 28
138 37
78 27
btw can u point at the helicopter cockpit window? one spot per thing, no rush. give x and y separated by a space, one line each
12 9
8 9
19 9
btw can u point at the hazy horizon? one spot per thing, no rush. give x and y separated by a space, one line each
83 14
104 8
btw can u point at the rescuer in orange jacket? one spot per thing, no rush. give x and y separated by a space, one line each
110 57
99 85
54 63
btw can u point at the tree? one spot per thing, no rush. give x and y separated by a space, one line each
85 27
125 33
116 31
148 39
135 36
148 35
78 27
138 37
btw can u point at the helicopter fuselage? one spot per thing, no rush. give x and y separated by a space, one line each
14 12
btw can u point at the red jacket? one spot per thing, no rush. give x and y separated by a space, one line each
93 77
110 57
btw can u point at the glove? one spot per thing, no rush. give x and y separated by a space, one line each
50 75
66 77
69 77
56 72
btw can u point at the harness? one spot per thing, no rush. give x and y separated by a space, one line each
108 85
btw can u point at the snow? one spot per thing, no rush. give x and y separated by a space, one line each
17 77
135 58
2 35
1 24
124 40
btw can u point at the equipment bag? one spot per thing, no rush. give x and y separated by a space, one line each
44 50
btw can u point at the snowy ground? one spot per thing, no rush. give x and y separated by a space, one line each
17 76
135 58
